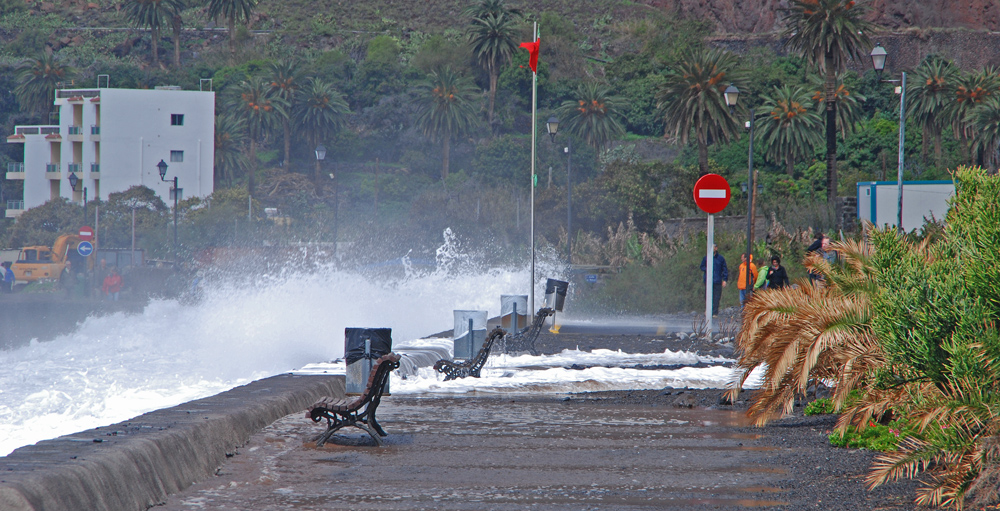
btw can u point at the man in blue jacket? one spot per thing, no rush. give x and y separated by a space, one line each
720 275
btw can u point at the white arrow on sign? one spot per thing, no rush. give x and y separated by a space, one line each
711 194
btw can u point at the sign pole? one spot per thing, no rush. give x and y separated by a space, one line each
711 194
709 274
534 130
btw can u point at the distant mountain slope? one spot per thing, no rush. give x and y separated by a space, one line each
761 16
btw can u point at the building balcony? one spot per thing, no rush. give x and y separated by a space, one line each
95 171
76 133
95 133
14 208
15 171
52 171
74 168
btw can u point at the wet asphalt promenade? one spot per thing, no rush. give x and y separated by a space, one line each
518 452
498 453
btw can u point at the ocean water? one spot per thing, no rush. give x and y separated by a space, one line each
119 366
115 367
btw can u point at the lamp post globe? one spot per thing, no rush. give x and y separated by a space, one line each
731 95
878 56
162 166
320 152
73 180
552 126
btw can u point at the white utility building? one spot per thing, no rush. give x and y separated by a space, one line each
113 139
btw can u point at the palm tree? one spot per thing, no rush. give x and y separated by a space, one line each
790 130
592 115
927 96
232 11
492 40
37 80
849 109
285 81
969 92
153 14
446 109
692 99
230 139
319 110
177 23
986 122
261 111
829 34
495 7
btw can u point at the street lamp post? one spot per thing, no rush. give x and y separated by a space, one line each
732 95
162 166
320 156
552 125
73 181
878 56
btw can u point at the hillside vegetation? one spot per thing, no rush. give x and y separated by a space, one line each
393 171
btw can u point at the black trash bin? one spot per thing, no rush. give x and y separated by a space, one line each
362 347
555 293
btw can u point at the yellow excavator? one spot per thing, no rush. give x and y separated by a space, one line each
41 262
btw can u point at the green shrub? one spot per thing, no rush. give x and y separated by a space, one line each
822 406
875 437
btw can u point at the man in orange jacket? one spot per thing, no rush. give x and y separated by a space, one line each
741 283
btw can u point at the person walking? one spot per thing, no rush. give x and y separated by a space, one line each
112 285
720 276
777 277
824 250
8 278
67 279
741 284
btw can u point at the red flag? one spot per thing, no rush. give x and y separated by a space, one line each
533 51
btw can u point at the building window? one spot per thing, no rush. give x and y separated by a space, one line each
176 156
177 119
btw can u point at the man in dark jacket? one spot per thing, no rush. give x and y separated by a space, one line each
720 276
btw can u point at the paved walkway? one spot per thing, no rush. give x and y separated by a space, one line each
508 453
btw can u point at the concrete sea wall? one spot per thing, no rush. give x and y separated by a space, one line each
134 465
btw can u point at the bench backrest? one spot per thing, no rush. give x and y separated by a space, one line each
380 373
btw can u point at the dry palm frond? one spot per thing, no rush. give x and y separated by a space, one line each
808 333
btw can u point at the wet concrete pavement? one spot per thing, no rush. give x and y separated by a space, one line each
518 452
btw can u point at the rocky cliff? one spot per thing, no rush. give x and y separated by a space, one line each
762 16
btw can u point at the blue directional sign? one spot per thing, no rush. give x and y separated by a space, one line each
85 248
591 278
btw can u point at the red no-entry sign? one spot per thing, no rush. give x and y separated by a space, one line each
711 193
86 233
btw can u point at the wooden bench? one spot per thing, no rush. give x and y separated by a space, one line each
356 411
524 339
472 367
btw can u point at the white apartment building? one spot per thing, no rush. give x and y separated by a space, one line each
113 139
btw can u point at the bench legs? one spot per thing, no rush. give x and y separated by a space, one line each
369 425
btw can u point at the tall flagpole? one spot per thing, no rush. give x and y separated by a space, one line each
534 130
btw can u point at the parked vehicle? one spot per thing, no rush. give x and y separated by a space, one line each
41 262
